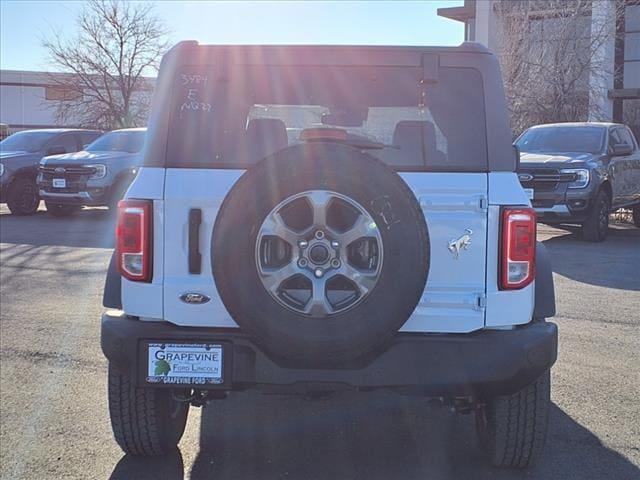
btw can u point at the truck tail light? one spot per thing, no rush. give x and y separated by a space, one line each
133 239
518 248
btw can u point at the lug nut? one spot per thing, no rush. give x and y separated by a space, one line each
319 234
334 244
335 263
302 263
303 244
318 272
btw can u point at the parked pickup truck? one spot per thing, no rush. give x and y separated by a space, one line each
354 222
19 157
580 172
98 175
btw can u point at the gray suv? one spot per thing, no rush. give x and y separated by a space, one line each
19 157
580 172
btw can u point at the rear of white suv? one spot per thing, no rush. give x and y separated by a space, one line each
317 218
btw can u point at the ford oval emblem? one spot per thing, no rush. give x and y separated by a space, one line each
59 170
525 177
194 298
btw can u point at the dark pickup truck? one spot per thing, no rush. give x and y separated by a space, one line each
578 173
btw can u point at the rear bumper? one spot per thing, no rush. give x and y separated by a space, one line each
484 363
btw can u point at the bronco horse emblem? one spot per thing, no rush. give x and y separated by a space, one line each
456 245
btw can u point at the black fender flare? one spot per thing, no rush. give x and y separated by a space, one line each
29 171
112 296
545 297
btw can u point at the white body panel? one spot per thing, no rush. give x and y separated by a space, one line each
452 203
512 307
186 189
461 294
140 299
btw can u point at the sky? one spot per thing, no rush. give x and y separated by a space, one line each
24 23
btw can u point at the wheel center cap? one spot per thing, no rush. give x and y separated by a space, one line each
318 254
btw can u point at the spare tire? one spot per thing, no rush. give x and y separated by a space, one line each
320 252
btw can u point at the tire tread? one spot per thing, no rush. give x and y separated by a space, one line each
135 417
517 425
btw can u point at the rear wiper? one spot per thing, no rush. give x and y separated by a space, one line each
368 144
341 136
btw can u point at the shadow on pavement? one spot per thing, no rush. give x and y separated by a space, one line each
377 436
89 228
613 263
169 467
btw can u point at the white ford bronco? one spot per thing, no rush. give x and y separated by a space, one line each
310 219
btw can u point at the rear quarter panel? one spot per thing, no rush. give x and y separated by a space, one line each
504 307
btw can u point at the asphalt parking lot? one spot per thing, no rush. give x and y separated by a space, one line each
53 412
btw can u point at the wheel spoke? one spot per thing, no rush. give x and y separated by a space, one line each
318 305
363 280
273 278
319 201
363 227
274 225
320 271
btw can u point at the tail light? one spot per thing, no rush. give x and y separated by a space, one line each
518 248
133 239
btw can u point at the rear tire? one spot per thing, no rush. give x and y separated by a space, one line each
596 226
145 421
512 429
60 210
636 216
22 197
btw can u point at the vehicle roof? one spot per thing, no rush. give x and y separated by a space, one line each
191 53
465 47
60 130
578 124
136 129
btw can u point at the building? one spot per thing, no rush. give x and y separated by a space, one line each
615 92
28 99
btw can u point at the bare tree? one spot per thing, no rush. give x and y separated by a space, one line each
551 57
631 115
116 45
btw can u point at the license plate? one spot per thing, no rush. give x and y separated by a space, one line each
184 363
59 183
529 193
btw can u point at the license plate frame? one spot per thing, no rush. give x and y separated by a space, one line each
59 183
209 372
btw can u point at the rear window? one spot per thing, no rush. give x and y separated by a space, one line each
236 119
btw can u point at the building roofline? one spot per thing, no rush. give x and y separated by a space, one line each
459 14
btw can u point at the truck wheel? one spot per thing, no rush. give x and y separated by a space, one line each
636 216
145 421
596 227
334 261
60 210
512 429
23 198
